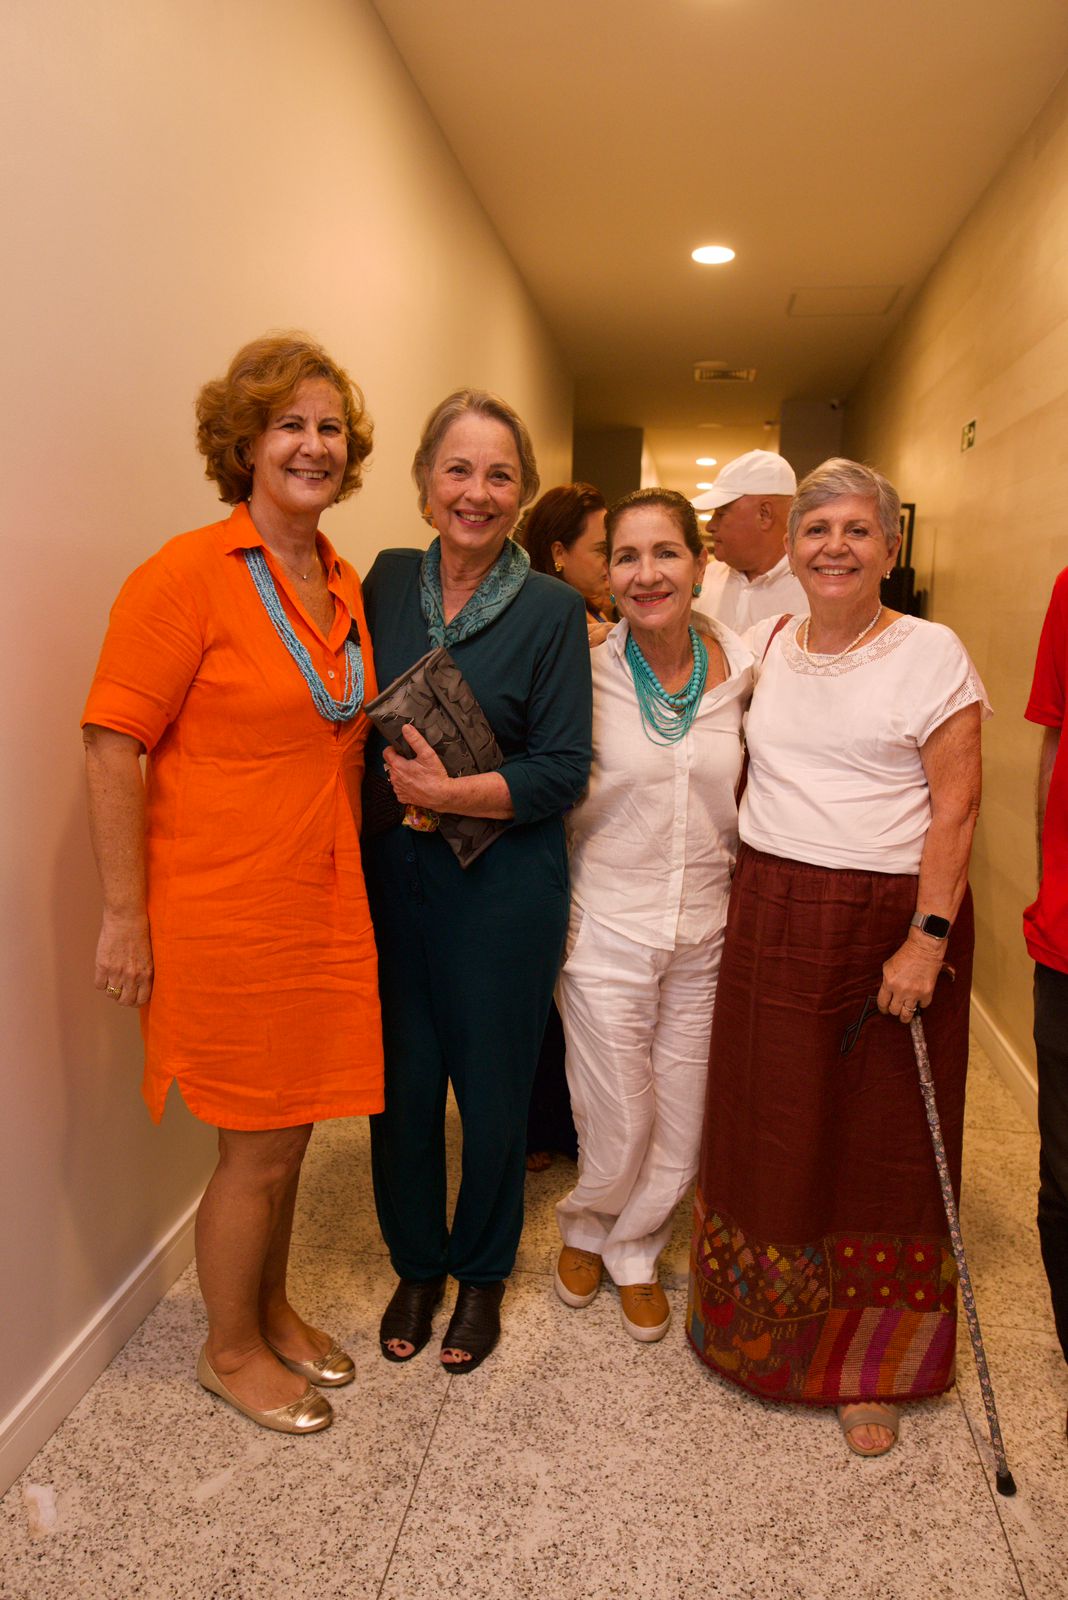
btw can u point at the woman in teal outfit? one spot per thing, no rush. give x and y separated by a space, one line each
468 958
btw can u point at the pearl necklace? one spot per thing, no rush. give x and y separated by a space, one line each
828 659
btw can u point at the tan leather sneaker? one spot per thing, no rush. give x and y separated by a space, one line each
578 1276
645 1311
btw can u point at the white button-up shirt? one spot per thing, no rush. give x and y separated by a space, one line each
738 601
654 841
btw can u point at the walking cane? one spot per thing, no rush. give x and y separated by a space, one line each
1005 1482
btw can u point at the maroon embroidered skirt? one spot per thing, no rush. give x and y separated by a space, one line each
821 1270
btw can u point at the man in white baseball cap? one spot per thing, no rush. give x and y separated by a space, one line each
750 578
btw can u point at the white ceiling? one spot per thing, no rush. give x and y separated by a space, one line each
834 144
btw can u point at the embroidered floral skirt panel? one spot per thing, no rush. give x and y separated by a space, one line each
821 1269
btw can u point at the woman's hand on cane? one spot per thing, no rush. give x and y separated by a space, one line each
909 979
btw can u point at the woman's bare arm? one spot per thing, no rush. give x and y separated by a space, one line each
117 828
952 762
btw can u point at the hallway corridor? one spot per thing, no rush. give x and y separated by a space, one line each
575 1464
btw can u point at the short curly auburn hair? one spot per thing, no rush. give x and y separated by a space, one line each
233 412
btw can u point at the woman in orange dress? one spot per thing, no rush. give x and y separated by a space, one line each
235 915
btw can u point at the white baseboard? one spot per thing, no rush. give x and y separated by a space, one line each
1015 1071
37 1416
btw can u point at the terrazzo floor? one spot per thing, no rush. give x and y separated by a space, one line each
575 1464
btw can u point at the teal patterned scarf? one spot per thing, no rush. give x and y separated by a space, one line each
494 594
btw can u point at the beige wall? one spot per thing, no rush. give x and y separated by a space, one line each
987 338
179 176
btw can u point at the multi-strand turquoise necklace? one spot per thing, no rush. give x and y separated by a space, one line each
342 710
666 718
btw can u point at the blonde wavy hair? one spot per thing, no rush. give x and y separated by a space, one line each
483 404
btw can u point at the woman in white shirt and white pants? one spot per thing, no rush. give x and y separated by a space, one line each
652 850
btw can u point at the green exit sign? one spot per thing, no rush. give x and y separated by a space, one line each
967 436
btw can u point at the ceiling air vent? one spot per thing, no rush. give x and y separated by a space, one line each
716 372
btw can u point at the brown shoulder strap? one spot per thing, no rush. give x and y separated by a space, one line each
743 776
783 620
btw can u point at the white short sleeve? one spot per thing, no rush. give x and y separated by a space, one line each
836 773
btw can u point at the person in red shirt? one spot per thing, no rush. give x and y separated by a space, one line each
1046 932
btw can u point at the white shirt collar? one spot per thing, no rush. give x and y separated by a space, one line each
779 570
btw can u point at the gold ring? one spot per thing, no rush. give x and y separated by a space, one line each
111 990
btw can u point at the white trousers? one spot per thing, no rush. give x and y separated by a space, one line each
637 1023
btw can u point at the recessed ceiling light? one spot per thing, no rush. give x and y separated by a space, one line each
706 461
712 255
705 486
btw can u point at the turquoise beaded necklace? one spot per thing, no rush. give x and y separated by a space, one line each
342 710
666 718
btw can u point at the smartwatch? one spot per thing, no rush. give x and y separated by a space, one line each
935 927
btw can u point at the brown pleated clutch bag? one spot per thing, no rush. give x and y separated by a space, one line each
435 698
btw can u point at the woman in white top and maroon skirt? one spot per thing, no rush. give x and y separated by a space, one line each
822 1271
652 849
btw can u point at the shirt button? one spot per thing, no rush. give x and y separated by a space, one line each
409 856
330 674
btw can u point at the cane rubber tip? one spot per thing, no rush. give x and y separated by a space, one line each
1006 1483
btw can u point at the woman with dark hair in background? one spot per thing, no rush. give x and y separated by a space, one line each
468 958
235 914
563 534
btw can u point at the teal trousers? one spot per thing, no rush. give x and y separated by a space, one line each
467 964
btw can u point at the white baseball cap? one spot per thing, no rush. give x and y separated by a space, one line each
757 472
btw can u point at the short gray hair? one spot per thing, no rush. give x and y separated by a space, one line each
837 478
482 404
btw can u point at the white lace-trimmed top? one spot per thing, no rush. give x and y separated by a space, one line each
835 775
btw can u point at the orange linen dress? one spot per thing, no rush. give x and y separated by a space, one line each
265 1000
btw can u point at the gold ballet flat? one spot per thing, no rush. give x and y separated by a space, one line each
307 1415
329 1371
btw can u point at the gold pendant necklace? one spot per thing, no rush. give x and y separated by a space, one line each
303 576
